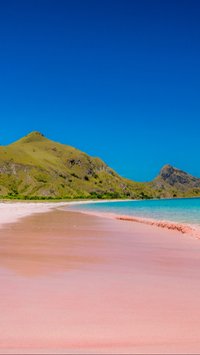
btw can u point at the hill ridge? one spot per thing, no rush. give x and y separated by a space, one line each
37 167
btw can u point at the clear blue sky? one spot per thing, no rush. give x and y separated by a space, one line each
116 79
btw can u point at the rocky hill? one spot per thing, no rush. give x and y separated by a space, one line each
37 168
172 182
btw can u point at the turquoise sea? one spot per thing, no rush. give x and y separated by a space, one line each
182 210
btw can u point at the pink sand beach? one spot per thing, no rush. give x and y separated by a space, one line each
81 284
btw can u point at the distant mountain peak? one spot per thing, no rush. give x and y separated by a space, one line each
167 166
174 176
34 136
167 170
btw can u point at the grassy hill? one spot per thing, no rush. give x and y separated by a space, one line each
37 168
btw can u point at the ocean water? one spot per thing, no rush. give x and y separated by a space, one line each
184 210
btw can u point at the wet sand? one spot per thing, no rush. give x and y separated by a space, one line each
74 283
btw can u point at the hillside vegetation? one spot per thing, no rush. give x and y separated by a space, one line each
37 168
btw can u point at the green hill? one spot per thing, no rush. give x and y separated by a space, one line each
37 168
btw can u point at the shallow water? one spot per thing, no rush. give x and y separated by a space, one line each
184 210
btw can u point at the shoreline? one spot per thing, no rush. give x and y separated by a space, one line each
11 212
184 228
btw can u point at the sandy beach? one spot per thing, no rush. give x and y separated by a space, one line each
75 283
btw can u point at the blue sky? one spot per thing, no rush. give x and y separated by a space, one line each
116 79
